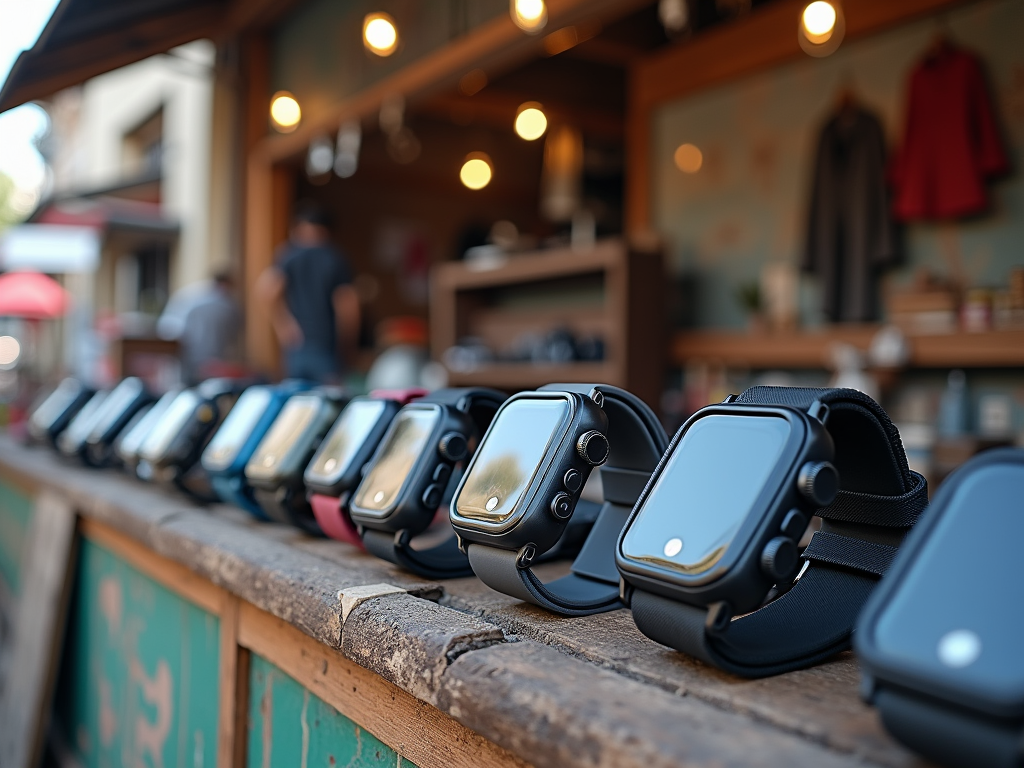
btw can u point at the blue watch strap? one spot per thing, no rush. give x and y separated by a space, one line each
233 490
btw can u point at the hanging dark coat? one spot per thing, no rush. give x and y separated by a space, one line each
850 235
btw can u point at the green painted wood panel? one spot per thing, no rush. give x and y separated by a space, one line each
289 726
139 681
15 513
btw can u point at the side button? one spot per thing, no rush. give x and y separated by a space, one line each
561 506
573 480
794 525
441 474
432 497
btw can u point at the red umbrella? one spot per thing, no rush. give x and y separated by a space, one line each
32 295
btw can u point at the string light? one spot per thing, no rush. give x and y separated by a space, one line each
10 351
380 35
476 171
531 122
688 158
821 28
285 112
529 15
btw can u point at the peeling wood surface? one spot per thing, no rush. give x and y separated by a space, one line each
469 668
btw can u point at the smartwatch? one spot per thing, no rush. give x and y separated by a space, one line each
714 535
117 410
170 452
337 466
940 640
275 469
234 443
55 412
130 441
523 487
406 480
71 441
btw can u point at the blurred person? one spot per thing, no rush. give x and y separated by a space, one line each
206 320
311 299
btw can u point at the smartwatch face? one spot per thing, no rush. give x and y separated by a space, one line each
74 437
705 491
170 425
131 443
513 449
237 428
395 458
121 399
956 614
288 428
345 438
54 406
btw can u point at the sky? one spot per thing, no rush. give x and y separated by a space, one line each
21 21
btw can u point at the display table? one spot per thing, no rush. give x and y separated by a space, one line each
198 636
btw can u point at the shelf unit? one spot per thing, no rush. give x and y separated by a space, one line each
611 291
810 349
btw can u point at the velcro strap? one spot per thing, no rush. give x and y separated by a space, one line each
885 511
860 555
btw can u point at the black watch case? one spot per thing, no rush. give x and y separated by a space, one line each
117 410
964 648
411 509
345 478
196 414
280 458
534 520
55 412
739 578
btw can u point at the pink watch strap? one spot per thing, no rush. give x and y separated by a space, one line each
334 521
403 396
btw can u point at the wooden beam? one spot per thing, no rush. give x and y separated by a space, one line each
230 684
417 731
766 37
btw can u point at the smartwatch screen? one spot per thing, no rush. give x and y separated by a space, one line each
401 447
944 620
293 421
237 427
53 406
131 443
346 437
72 438
506 461
120 399
170 425
705 491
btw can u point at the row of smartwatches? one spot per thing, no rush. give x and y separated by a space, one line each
703 536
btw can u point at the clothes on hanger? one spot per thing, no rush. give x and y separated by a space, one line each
951 143
850 234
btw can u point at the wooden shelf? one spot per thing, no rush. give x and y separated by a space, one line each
810 349
519 376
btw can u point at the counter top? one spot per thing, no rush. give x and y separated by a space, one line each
553 691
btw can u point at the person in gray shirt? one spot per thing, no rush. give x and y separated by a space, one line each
206 320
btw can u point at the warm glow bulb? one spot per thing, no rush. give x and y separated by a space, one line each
819 20
10 351
688 158
285 112
531 122
476 171
530 15
380 34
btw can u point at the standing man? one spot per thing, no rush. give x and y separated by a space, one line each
310 297
207 321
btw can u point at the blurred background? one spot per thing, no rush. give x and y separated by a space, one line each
680 197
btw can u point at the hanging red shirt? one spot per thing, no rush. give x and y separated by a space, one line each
951 144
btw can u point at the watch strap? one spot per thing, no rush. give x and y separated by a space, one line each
860 534
636 442
950 735
286 505
403 396
333 518
233 490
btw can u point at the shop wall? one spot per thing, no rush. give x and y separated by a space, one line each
318 53
746 207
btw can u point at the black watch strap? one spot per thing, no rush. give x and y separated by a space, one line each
879 500
444 560
289 506
950 735
637 441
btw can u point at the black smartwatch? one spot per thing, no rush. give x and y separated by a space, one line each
170 452
940 639
55 412
405 481
117 410
714 535
129 442
522 489
71 441
275 469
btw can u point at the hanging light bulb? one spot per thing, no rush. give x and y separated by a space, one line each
476 171
285 112
821 27
380 35
688 158
531 122
529 15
